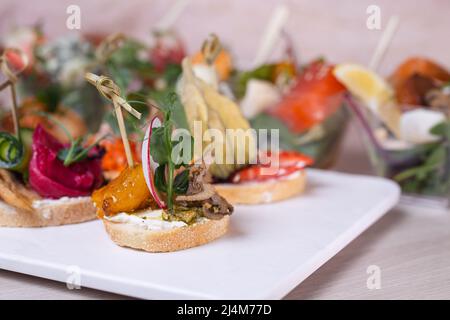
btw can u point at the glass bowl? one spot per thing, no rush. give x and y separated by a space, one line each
422 171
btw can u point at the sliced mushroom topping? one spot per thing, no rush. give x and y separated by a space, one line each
208 192
201 194
197 178
216 207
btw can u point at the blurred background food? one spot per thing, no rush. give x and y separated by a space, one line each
322 27
405 120
335 31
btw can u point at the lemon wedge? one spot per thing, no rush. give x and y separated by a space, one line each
364 84
373 91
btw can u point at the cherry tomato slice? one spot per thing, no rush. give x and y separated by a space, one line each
288 163
290 158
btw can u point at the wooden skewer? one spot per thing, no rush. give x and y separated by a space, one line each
169 19
385 41
4 85
14 108
108 46
123 134
111 91
211 49
11 82
271 34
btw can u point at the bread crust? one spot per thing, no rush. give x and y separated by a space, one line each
74 211
132 236
263 192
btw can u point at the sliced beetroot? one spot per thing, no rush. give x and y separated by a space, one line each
51 179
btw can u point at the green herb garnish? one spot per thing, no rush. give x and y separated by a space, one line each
432 175
75 152
162 151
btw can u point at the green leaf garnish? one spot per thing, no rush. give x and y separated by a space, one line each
161 149
181 182
171 74
50 96
168 99
76 152
432 175
442 129
160 179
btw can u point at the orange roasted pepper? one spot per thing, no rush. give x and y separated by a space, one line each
127 193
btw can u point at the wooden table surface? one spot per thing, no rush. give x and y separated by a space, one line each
411 246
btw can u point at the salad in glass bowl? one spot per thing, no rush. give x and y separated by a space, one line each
406 123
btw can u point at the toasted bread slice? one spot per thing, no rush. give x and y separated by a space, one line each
133 236
48 213
263 192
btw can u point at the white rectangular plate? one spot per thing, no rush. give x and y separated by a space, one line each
268 251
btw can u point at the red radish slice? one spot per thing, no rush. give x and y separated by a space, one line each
148 164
